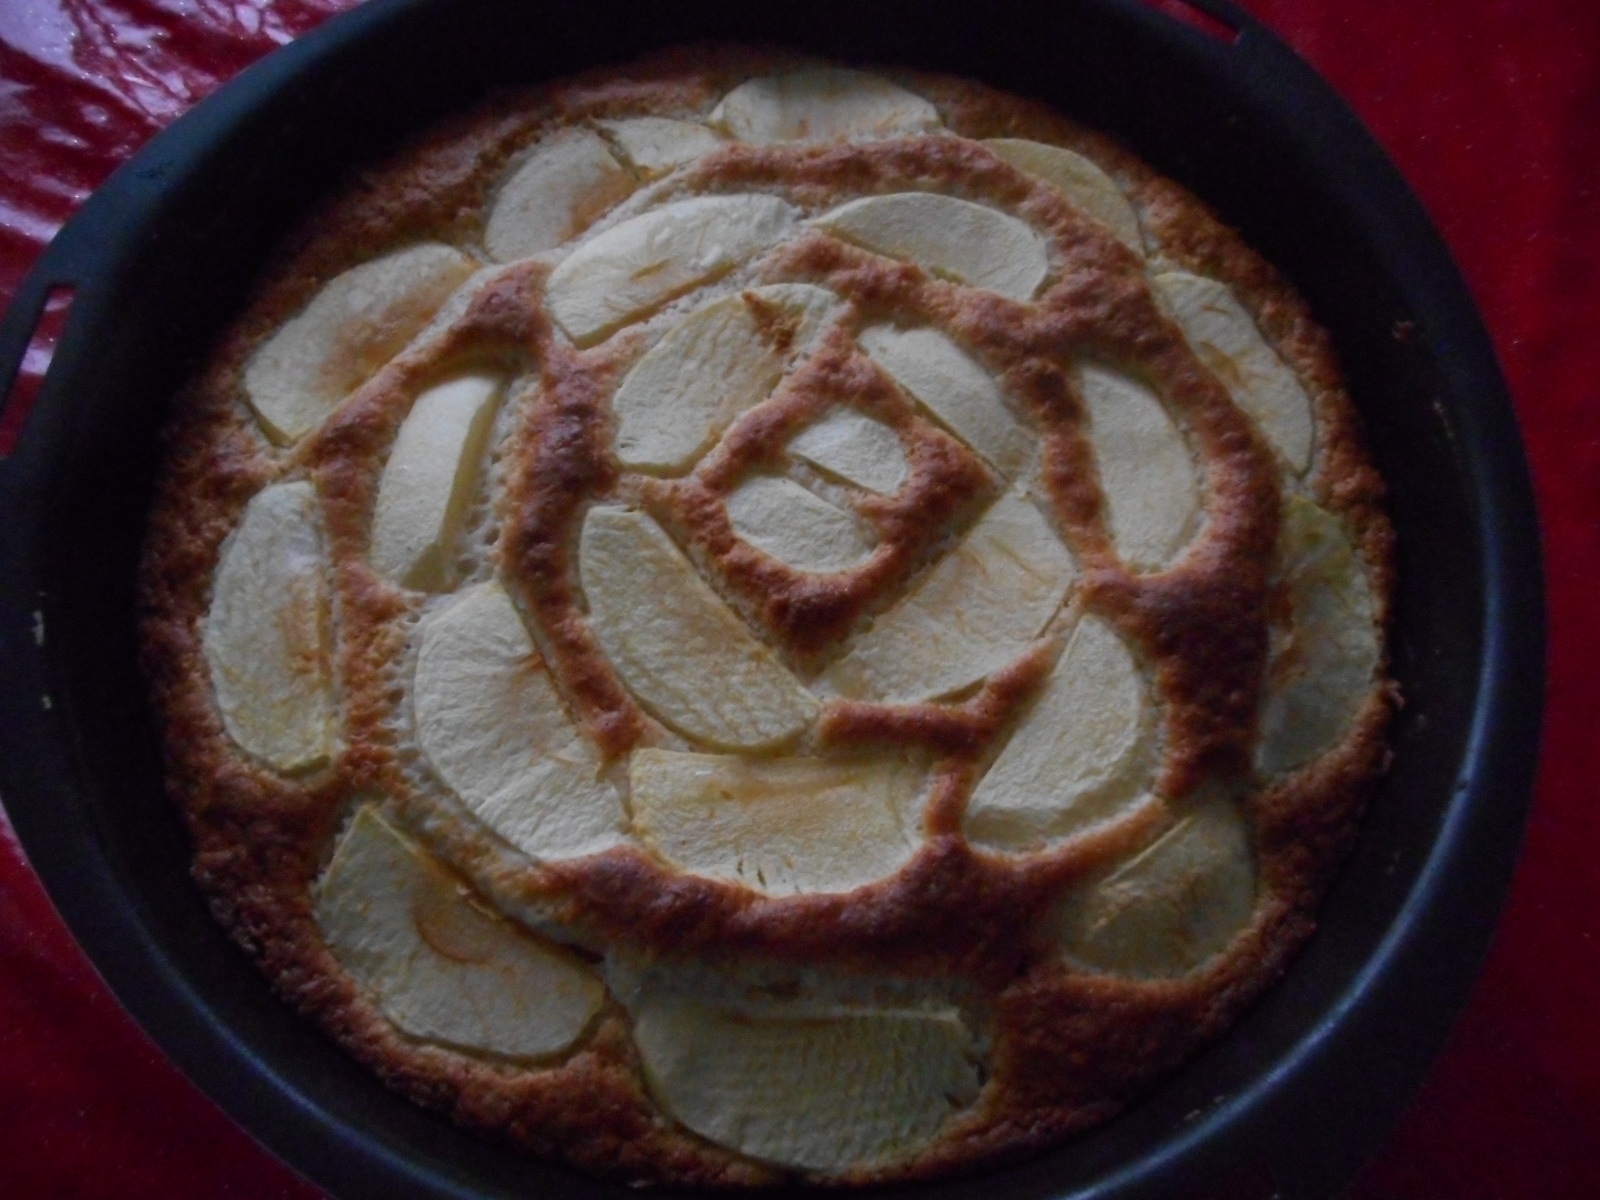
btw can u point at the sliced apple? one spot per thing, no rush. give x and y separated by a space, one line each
818 1091
654 146
1085 185
554 194
948 237
266 635
781 826
1322 670
428 481
783 519
961 395
677 646
1080 756
972 613
857 449
1146 472
493 727
635 267
1174 905
351 328
442 966
1228 342
722 359
822 104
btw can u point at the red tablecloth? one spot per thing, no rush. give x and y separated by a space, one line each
1492 110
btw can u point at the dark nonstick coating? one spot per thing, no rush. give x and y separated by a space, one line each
1306 1087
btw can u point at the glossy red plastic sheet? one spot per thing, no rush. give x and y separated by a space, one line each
1491 109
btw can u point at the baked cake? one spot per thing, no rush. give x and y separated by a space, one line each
736 619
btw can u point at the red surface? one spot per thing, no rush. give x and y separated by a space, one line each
1492 110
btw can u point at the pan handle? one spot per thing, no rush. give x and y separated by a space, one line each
67 269
26 313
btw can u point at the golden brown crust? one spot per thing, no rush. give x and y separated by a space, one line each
1071 1047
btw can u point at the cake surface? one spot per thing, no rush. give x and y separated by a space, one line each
736 619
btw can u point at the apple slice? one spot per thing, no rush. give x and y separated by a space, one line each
266 635
677 646
783 519
822 104
352 327
1228 342
721 360
638 265
948 237
1174 905
442 966
1323 670
557 192
856 449
1085 185
493 727
973 612
961 395
655 146
783 826
818 1090
1080 756
1146 472
428 481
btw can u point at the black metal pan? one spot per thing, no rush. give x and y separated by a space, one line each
1307 1086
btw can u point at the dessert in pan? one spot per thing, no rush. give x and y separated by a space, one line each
737 619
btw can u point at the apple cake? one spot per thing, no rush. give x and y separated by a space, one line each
738 620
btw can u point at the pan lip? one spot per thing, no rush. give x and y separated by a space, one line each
1481 825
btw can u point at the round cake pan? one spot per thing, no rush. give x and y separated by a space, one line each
1308 1084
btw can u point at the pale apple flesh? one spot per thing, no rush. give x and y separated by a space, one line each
442 966
974 611
1226 339
720 361
1082 755
352 327
266 635
1173 906
822 104
1146 472
633 268
813 1089
428 482
493 726
686 656
853 447
780 518
948 237
954 387
656 146
1084 185
554 194
784 826
1323 669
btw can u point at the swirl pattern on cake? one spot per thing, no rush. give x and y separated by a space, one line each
740 619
